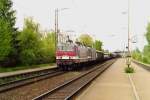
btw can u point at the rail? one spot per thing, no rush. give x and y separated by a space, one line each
66 90
30 79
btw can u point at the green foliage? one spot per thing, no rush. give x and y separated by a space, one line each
86 40
5 40
34 48
29 43
137 55
145 60
26 47
98 45
146 50
7 32
129 70
146 54
148 34
49 47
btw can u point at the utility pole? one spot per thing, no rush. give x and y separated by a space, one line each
129 53
129 27
56 28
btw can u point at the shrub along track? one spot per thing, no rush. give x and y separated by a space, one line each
69 88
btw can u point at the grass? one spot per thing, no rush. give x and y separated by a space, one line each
129 70
16 68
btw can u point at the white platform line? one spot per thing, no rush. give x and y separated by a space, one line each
133 87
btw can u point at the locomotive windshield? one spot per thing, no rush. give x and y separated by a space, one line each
65 47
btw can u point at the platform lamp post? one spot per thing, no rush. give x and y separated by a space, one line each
129 53
128 57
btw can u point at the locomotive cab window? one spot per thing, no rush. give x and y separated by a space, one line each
65 47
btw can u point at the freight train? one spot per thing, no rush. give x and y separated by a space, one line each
71 55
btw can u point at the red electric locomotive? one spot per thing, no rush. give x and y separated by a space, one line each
71 55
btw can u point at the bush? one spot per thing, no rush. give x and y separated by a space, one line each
136 54
33 47
129 70
145 60
30 43
48 47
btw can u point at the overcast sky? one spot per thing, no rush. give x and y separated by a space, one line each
102 19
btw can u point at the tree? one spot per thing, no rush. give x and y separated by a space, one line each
146 53
7 33
30 51
86 40
148 34
49 47
136 54
98 45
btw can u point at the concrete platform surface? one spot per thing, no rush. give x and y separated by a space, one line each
113 84
141 79
5 74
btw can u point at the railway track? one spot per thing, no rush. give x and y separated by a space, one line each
19 80
68 89
10 78
27 91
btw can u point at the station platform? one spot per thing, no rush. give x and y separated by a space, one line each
115 84
5 74
141 79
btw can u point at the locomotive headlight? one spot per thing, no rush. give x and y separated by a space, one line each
58 57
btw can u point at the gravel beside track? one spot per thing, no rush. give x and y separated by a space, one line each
67 90
27 92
